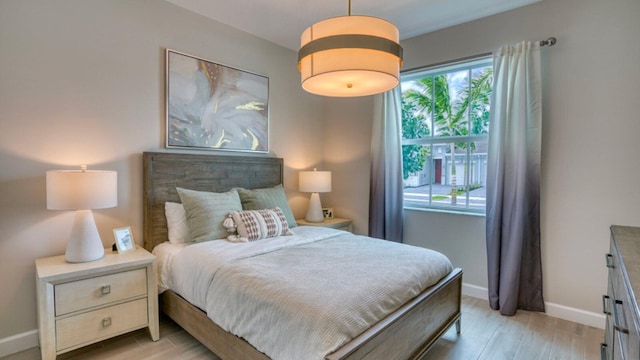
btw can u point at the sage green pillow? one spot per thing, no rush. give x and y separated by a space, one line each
206 211
267 198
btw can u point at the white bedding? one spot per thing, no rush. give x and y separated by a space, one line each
300 296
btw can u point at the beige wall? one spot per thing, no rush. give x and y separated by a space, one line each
591 168
347 154
82 82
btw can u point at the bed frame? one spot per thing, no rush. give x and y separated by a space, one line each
406 333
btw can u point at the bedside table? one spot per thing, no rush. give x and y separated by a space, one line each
335 223
83 303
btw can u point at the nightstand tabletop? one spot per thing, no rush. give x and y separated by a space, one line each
53 267
334 223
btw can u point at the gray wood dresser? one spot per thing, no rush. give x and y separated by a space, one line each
620 304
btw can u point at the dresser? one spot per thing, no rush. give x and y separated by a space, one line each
620 304
83 303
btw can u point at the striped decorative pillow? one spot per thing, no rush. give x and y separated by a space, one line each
252 225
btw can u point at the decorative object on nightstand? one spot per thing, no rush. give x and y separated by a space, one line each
334 223
314 182
327 213
84 303
82 190
124 239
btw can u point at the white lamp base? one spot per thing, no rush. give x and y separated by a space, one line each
314 211
84 244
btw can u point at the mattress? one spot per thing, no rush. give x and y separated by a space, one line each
299 296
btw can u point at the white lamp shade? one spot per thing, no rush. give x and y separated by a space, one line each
81 190
314 181
346 67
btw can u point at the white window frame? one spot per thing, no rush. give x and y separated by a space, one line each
431 71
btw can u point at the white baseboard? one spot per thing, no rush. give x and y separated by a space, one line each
19 342
576 315
475 291
555 310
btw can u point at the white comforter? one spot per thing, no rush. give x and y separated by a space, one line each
302 296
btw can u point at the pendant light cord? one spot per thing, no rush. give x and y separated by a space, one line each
349 7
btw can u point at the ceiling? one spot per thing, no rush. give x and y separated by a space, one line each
282 21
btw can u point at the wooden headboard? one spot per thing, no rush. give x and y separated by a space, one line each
163 172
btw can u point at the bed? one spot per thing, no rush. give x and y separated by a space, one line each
406 333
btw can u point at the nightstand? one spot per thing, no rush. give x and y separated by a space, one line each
83 303
335 223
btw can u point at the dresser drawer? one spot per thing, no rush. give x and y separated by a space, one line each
101 290
100 324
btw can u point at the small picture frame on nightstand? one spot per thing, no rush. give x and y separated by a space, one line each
124 239
328 213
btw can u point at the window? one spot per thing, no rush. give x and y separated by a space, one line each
445 123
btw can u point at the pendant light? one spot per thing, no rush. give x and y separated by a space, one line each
350 56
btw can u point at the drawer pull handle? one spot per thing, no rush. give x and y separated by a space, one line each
106 289
609 261
616 321
603 351
106 322
605 308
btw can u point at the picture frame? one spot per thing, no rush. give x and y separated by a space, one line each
210 106
327 213
124 239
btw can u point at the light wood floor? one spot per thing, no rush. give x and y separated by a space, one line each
485 335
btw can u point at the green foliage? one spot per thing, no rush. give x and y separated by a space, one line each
461 189
432 96
414 126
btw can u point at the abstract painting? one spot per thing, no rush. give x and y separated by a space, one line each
216 107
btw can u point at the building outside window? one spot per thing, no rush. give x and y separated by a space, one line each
445 124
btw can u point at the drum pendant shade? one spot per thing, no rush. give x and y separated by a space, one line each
350 56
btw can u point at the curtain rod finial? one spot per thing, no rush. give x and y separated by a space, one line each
549 42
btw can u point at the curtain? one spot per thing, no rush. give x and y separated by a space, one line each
385 197
513 181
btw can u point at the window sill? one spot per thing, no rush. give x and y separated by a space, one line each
445 211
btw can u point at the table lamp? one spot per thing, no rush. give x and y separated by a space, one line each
314 182
82 190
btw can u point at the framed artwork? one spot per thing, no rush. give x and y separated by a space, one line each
124 239
215 107
327 213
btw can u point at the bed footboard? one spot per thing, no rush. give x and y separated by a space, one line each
407 333
411 330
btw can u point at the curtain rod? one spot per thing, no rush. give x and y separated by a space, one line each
548 42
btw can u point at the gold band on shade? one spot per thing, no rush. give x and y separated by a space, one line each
350 56
335 42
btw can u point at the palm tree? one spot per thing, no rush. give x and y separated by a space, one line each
432 96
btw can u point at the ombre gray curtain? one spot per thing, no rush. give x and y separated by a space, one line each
386 214
513 181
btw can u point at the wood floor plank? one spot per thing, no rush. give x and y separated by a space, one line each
485 335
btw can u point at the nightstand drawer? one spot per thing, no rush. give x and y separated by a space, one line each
84 294
100 324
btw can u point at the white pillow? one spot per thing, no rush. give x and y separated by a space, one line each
177 223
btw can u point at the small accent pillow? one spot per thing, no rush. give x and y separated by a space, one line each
206 211
177 223
254 225
267 198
